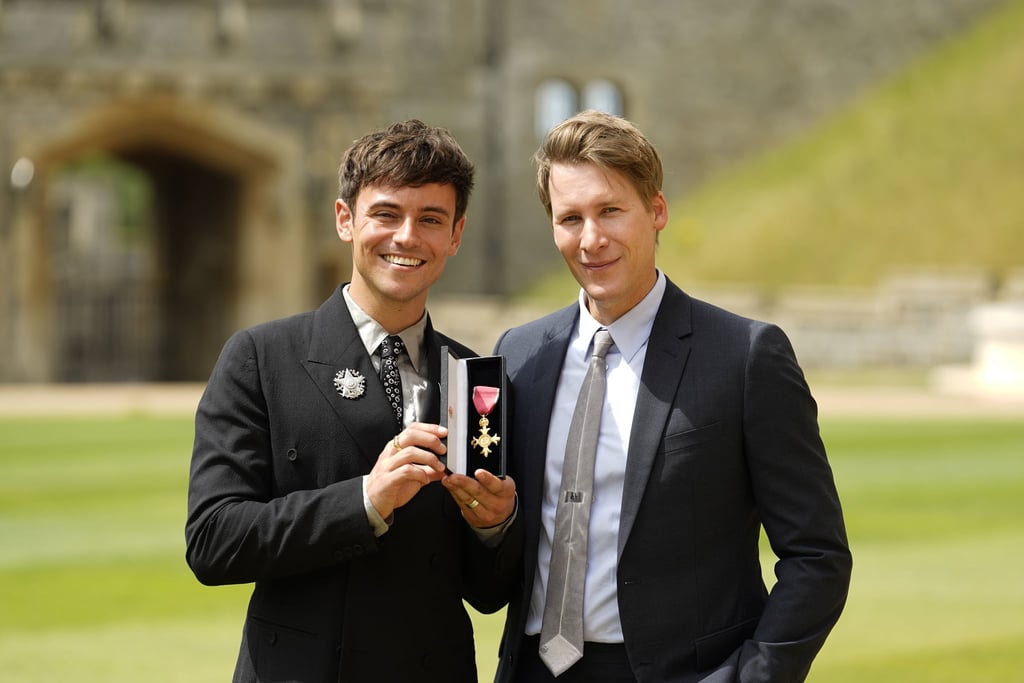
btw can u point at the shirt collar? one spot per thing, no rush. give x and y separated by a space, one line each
372 333
631 331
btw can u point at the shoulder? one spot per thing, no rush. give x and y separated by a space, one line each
705 315
760 343
542 329
460 349
682 316
299 324
271 337
709 313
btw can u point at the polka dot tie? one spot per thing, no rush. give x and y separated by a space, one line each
390 349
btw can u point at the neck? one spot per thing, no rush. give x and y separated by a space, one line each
393 316
608 311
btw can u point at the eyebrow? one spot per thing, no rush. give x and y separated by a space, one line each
423 209
573 209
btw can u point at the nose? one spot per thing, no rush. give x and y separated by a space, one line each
406 232
591 237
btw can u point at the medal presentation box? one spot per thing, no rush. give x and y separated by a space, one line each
473 392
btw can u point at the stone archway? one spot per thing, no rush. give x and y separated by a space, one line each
220 192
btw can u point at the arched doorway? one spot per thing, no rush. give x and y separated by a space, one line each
151 220
102 273
142 269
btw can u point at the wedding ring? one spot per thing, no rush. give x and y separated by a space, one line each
472 504
396 443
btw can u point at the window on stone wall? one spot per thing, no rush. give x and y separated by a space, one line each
557 99
554 102
603 95
109 17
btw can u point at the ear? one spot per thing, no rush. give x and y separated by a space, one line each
659 206
453 246
343 220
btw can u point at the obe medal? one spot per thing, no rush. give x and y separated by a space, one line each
484 400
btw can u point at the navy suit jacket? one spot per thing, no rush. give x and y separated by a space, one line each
275 497
724 440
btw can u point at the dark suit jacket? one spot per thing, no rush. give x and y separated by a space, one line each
275 497
724 439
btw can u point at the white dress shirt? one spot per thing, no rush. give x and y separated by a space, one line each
414 384
625 362
414 398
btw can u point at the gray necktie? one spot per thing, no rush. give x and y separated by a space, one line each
390 349
561 635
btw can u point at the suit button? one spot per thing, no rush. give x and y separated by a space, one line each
272 639
292 454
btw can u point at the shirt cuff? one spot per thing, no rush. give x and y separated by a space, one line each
379 524
492 536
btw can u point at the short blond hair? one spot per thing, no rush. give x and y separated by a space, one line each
607 141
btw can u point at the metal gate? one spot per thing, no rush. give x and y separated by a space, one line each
103 274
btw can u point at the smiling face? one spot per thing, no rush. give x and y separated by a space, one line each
606 234
401 239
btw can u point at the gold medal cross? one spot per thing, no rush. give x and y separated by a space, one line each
484 440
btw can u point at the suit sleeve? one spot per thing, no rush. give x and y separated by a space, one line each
801 514
240 527
492 573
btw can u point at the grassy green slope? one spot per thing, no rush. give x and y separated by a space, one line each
928 170
925 170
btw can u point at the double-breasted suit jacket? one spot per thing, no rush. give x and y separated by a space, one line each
724 439
275 497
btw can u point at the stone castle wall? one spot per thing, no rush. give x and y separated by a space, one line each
267 93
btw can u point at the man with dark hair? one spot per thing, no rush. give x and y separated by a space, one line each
315 470
655 435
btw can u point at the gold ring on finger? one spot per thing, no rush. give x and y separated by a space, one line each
472 504
396 442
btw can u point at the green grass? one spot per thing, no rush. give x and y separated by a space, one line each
93 584
924 170
935 512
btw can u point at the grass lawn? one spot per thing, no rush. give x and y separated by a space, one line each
93 584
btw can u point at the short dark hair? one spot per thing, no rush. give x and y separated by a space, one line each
607 141
408 153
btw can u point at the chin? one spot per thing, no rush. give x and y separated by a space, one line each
599 288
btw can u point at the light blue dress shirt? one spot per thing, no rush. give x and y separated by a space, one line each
625 364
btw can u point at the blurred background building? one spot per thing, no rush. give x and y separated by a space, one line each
170 167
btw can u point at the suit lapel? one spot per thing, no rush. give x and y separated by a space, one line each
543 379
432 346
335 346
667 352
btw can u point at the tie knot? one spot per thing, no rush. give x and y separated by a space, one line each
602 342
391 346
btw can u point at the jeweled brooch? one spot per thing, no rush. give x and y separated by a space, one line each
349 383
